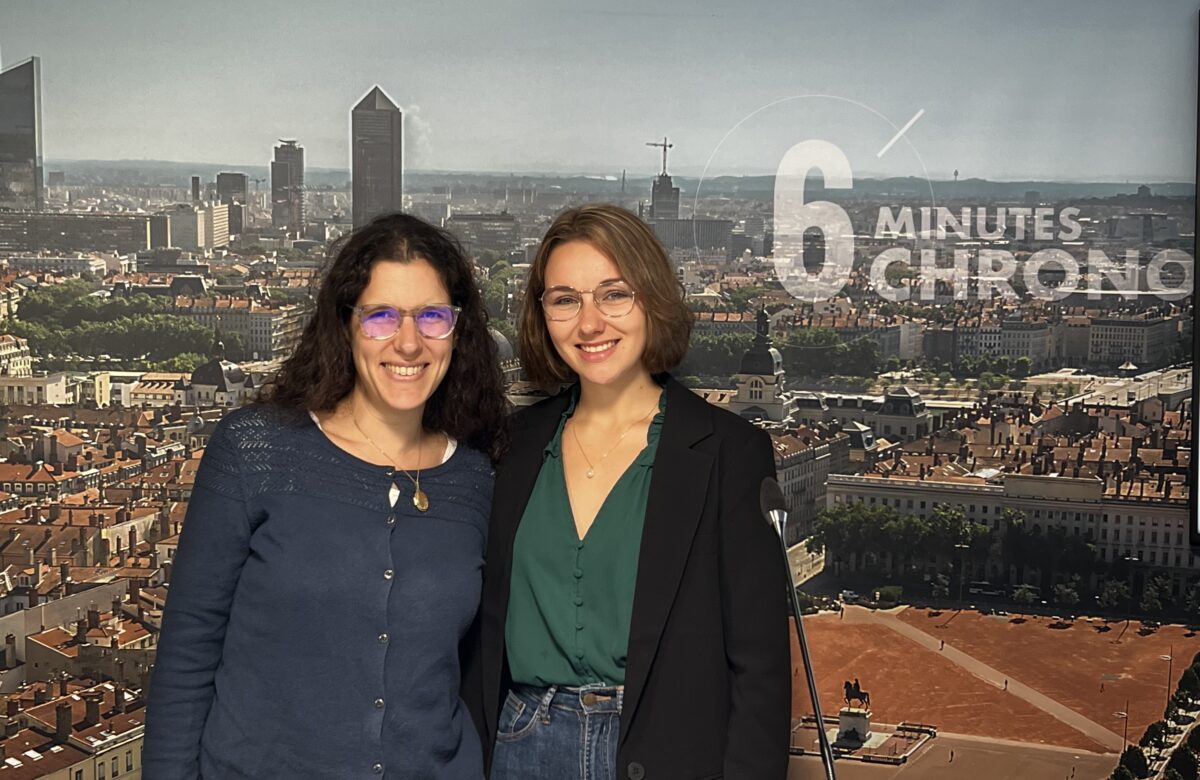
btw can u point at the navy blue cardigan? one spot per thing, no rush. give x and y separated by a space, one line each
311 629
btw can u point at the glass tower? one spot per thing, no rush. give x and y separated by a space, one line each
21 136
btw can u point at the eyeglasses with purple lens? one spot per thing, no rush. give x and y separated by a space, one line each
382 322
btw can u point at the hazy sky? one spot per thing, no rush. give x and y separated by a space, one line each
1048 89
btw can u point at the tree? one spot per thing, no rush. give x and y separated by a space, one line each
501 272
1189 683
507 330
1121 773
1179 702
1183 761
941 587
1113 594
1191 603
495 298
1134 760
235 346
1022 367
1154 735
1193 740
1066 594
742 296
183 364
718 354
1025 594
1152 597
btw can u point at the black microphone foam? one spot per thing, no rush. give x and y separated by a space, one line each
770 497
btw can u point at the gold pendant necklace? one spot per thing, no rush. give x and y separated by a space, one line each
591 472
419 499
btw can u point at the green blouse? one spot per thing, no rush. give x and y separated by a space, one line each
571 599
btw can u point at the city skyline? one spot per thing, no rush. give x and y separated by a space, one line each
513 90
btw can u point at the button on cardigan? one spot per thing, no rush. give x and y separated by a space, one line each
312 630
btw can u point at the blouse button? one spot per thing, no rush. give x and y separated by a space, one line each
383 639
391 520
579 601
377 769
387 574
379 704
578 573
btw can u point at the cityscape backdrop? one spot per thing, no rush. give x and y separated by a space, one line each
984 433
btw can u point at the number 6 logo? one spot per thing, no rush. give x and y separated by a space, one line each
793 217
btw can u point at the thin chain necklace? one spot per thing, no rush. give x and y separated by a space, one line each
591 472
419 499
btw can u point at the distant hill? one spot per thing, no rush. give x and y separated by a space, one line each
178 174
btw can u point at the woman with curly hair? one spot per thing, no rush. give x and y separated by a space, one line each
331 559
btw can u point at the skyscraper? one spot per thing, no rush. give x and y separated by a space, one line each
21 136
377 154
664 195
231 187
664 198
287 186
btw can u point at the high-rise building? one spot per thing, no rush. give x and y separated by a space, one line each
287 186
664 198
232 188
21 136
377 146
199 226
187 226
237 217
216 225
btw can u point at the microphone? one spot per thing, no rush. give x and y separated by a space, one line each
774 505
774 508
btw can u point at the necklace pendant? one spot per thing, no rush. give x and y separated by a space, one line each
590 473
420 500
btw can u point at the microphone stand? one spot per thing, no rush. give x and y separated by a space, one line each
778 518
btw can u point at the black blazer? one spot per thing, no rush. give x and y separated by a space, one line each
708 681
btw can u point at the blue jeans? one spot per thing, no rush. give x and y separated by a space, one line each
558 733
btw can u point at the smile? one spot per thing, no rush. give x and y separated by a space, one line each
601 347
404 371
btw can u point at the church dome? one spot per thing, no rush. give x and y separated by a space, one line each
503 348
222 374
764 361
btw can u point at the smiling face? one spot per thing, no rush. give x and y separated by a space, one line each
399 374
601 350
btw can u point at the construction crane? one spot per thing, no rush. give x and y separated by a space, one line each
665 146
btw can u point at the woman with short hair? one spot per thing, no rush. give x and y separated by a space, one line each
331 558
634 618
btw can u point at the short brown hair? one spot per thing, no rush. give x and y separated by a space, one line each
644 264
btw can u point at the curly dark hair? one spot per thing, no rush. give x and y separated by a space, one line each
469 403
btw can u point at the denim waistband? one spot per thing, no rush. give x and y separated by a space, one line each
594 698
